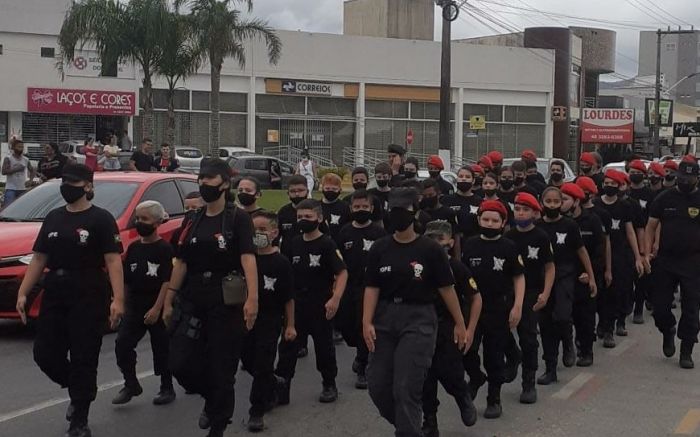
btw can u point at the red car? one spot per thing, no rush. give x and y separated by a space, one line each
117 192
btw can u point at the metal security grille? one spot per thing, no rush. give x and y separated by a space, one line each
44 128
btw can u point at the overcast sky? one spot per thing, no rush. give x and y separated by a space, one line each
327 16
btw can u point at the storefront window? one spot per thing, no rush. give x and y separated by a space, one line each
271 104
181 99
331 106
386 109
493 113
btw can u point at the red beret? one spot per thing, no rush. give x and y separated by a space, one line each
587 184
527 199
435 161
638 164
657 168
496 156
573 190
671 165
588 158
690 158
618 177
528 155
476 168
486 162
495 206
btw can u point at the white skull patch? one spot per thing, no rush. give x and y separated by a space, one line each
83 236
417 270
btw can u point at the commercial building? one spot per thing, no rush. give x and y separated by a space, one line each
345 97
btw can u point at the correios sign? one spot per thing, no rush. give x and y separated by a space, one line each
71 101
604 125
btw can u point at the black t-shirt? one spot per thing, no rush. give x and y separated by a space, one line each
275 283
53 168
598 178
535 249
620 214
604 217
78 240
565 236
508 198
315 264
411 271
287 223
142 161
147 267
494 264
442 213
639 216
378 207
383 197
679 215
210 245
355 244
593 235
446 188
467 210
466 289
335 215
645 197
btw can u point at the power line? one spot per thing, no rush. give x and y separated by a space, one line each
665 12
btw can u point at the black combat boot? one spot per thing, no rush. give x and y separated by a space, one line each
569 352
467 410
549 376
529 394
670 343
79 421
256 424
430 426
621 330
585 360
686 361
131 389
282 390
329 393
493 403
609 340
475 384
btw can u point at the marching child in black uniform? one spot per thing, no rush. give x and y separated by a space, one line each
433 210
536 251
447 361
320 277
275 302
335 212
356 239
498 269
147 267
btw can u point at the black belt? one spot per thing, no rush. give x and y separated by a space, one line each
403 301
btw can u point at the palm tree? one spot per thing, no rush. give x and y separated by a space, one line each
221 33
181 58
119 32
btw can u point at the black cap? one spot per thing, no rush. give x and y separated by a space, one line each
403 198
77 173
688 168
212 167
395 148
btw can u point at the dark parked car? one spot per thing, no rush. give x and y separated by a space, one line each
258 166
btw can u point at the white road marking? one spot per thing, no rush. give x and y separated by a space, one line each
57 401
573 386
622 347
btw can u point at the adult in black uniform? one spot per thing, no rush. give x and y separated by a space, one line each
434 210
248 193
447 361
593 235
51 165
435 166
320 277
287 215
498 270
147 267
214 246
404 274
356 239
677 212
360 179
76 242
556 318
536 251
644 196
276 302
335 212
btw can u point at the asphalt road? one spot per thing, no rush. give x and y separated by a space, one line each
630 391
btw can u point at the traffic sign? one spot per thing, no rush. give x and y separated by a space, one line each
686 130
409 137
477 122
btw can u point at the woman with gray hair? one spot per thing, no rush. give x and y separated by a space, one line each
147 267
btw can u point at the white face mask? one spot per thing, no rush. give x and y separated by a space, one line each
261 240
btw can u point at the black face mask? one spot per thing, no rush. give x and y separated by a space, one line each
434 173
586 170
359 186
611 191
685 187
464 186
655 180
490 193
557 177
401 219
551 212
72 194
361 217
297 200
507 184
145 229
308 226
636 178
246 199
331 195
490 232
670 178
428 202
382 183
409 174
210 193
519 180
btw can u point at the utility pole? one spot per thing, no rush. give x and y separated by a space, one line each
450 12
655 129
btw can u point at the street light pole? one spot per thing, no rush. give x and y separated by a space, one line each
450 12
